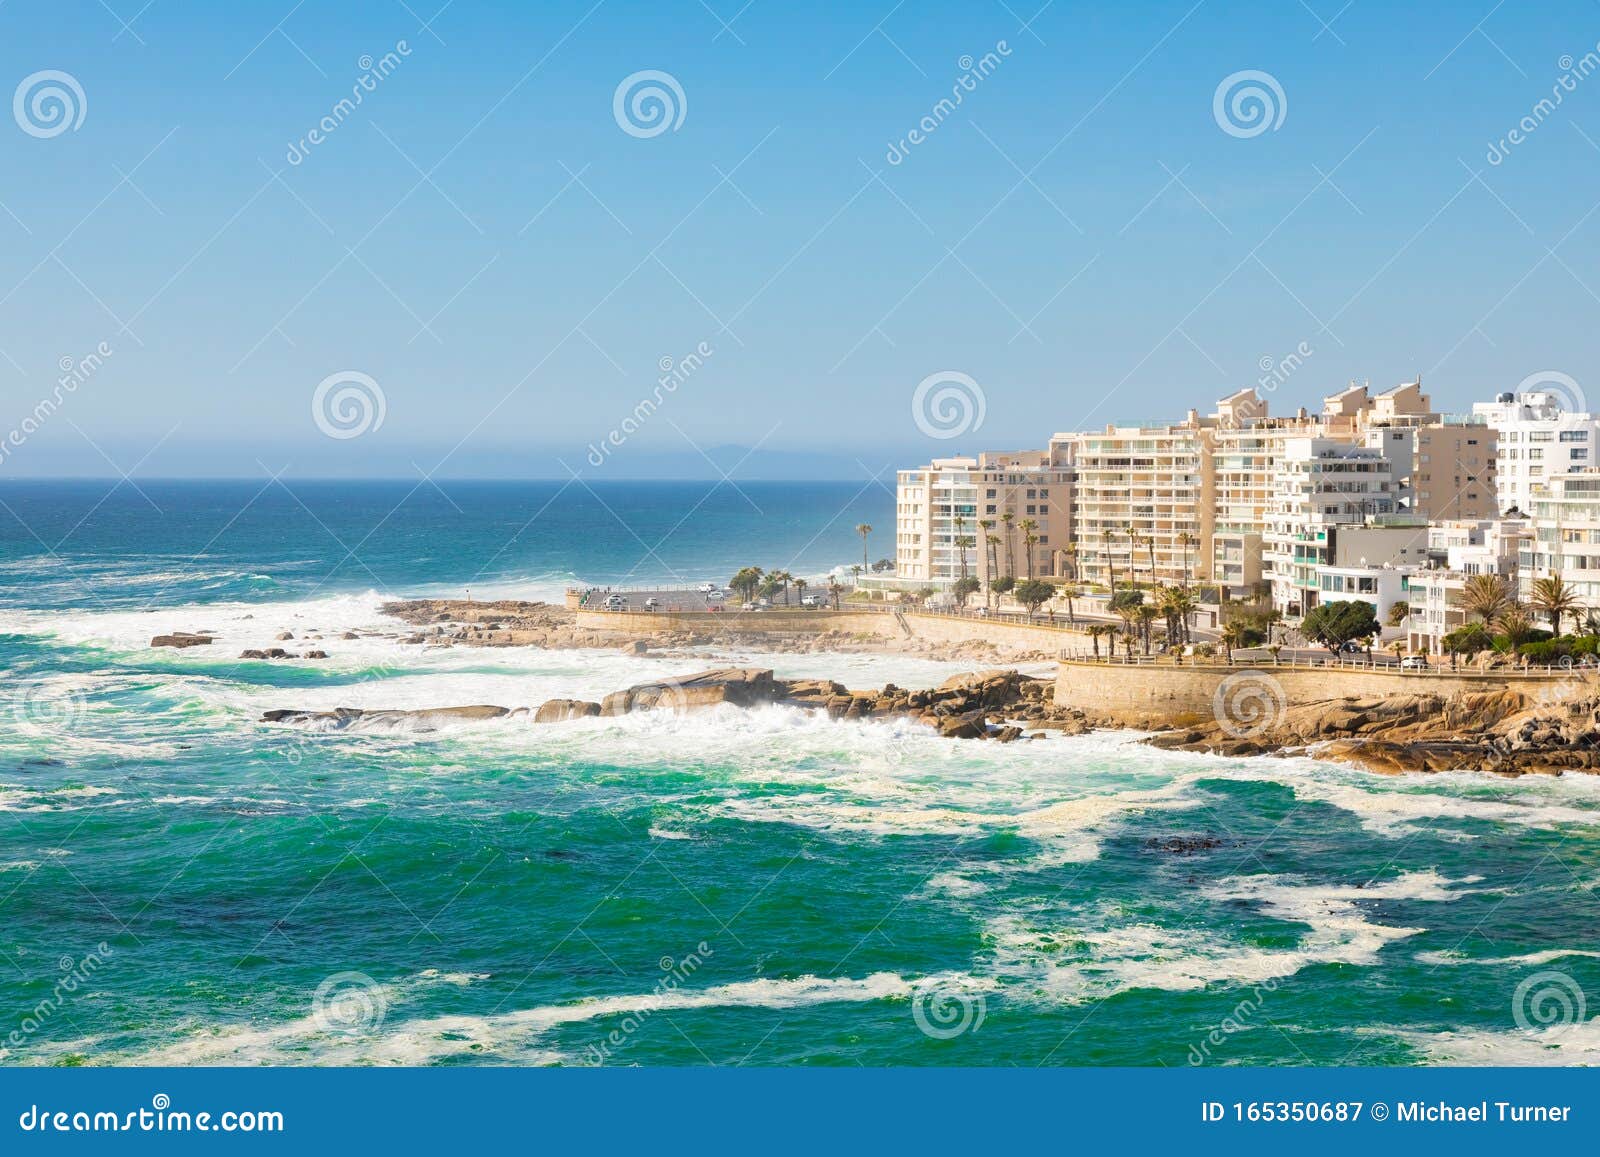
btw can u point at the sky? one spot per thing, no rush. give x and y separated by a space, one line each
480 269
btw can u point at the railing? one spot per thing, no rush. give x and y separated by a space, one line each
1314 662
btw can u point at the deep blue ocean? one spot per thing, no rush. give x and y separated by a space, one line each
183 883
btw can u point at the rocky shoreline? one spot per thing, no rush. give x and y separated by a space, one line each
510 623
998 705
1505 731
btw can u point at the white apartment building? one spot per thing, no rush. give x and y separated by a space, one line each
1565 539
1457 550
941 512
1538 439
1382 586
1333 504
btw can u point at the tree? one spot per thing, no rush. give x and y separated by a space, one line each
964 588
1335 624
1187 541
1032 593
1003 585
1184 603
962 544
1096 630
1011 557
992 541
835 589
864 529
800 586
1234 634
1467 640
1028 526
746 582
1147 615
1515 624
1553 597
1485 595
1398 613
1111 574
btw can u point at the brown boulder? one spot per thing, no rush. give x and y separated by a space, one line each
181 639
560 710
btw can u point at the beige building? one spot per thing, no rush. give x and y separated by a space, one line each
1002 513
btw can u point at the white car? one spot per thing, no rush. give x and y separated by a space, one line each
652 603
708 588
616 603
1413 663
810 601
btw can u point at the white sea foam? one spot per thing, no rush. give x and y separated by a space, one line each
1525 960
509 1035
1573 1044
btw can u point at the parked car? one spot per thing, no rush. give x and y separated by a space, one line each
1414 663
616 603
1352 648
652 603
708 588
715 596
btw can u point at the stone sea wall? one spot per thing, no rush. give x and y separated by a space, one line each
1150 696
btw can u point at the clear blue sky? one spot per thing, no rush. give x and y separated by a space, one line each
1148 262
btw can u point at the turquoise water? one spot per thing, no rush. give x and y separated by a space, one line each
761 887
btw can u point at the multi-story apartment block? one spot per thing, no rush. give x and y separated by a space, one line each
1333 504
1565 538
1538 438
1143 500
947 511
1458 550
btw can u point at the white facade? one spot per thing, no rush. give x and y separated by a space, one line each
1538 439
1566 536
1318 485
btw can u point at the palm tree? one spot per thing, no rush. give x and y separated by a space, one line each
962 543
1233 635
1028 526
987 525
863 529
835 590
800 586
1183 603
992 541
1485 595
1134 541
1111 576
1070 553
1552 596
1147 615
1011 557
1515 623
1095 631
1150 545
1187 540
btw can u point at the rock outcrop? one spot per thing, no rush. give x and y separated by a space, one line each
1508 731
181 639
983 705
